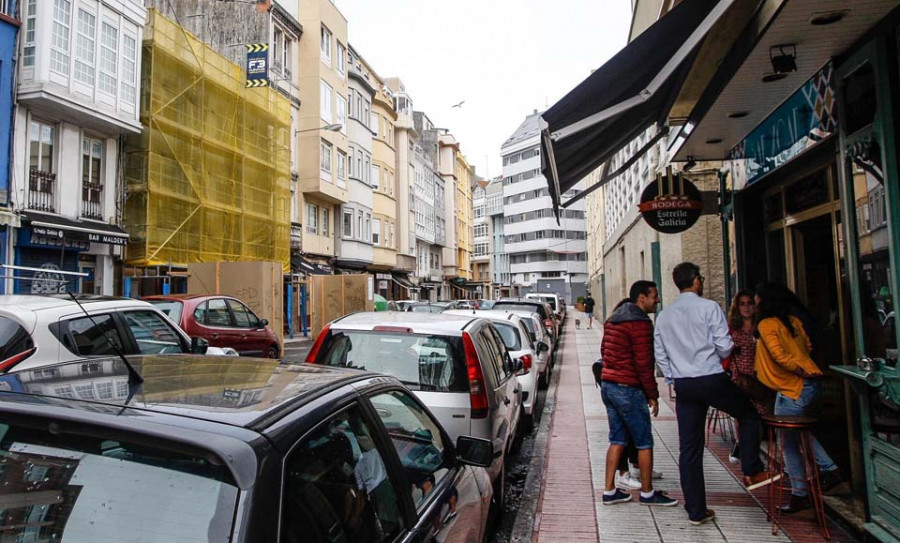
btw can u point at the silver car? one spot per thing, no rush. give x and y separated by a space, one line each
457 365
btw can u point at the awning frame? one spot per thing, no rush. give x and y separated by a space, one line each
668 69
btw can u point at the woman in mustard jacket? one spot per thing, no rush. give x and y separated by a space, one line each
784 365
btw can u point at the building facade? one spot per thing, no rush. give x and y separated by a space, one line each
501 279
482 276
10 22
78 94
543 256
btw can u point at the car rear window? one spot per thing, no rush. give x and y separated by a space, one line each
421 362
65 487
171 308
516 306
13 339
547 299
510 335
427 309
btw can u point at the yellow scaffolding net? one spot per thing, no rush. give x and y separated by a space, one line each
208 179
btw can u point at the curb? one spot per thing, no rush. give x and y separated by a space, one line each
526 514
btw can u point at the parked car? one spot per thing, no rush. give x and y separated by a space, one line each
224 321
403 304
457 365
231 449
553 300
539 333
538 306
519 344
485 304
38 331
427 307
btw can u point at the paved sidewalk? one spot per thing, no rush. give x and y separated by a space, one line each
570 508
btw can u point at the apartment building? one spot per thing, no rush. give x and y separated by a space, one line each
9 30
462 199
482 275
355 251
77 94
500 276
544 256
323 73
405 138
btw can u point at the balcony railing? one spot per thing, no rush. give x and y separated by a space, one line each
41 189
296 235
91 201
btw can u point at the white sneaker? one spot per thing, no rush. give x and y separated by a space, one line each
627 482
636 473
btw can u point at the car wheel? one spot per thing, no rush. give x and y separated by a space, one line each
544 379
519 436
272 352
498 501
527 423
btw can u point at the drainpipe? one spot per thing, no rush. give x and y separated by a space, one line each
725 215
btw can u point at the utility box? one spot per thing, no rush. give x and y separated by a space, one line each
257 284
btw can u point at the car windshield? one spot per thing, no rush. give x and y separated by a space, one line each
427 308
171 308
67 487
486 304
548 300
521 306
530 326
510 335
421 362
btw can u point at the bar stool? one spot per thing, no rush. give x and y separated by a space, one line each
720 420
803 425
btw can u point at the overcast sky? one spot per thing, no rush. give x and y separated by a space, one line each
505 58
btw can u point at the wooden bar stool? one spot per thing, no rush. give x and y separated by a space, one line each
803 425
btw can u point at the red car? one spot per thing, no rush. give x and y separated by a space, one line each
223 320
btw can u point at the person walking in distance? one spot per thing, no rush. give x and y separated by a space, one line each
690 340
784 365
628 389
589 309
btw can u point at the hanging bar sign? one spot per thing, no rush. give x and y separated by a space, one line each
672 204
257 65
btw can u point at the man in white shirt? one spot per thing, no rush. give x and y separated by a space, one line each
690 341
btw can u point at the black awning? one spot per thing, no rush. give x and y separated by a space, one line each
55 226
403 280
625 96
299 264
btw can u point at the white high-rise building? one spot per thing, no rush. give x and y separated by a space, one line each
544 256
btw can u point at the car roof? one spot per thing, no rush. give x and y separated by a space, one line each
55 301
485 313
420 323
180 297
236 391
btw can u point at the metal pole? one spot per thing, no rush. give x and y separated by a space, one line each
303 310
657 270
290 310
724 214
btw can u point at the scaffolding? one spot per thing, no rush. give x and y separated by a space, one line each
208 179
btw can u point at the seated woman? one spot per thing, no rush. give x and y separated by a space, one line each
784 365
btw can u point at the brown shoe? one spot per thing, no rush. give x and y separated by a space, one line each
710 516
759 480
799 506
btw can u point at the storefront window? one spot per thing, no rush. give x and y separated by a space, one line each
860 102
876 296
807 193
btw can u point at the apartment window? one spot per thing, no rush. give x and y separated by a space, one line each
341 59
367 172
325 45
109 46
368 226
348 223
325 165
325 102
84 47
312 218
41 138
359 224
376 231
59 47
375 175
30 32
341 110
359 165
341 165
391 244
91 186
374 124
129 72
325 221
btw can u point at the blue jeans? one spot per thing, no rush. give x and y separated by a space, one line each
626 408
793 462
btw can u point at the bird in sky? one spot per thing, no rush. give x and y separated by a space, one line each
459 104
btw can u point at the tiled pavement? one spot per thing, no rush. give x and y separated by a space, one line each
569 508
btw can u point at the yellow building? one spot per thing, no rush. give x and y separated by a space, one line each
209 177
465 181
321 184
384 200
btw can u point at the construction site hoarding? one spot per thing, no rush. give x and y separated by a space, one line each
333 296
208 179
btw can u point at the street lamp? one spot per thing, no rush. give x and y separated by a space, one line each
329 127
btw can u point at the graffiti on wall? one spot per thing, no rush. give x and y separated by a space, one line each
47 281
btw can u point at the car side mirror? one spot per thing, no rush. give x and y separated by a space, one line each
199 345
542 347
516 365
474 451
263 323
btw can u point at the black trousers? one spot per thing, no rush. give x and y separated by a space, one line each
630 455
695 396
